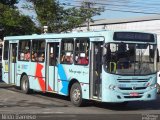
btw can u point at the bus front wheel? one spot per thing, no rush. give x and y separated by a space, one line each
25 84
76 95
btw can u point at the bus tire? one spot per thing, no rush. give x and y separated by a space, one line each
25 84
158 88
76 95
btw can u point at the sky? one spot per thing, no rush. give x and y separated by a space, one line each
22 4
113 9
116 9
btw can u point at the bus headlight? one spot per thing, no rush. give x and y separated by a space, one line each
112 87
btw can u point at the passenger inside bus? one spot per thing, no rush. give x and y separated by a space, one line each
67 58
83 59
22 56
41 58
34 56
27 55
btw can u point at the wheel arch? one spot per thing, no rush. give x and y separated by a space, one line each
72 81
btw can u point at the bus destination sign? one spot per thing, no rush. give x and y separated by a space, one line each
133 36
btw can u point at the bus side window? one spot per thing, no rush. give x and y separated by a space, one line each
38 50
67 46
6 47
82 51
14 53
24 50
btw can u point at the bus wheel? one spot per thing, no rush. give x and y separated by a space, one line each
76 95
25 84
158 88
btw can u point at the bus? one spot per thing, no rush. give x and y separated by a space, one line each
104 66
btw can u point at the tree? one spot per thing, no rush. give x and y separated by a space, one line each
58 18
13 23
9 2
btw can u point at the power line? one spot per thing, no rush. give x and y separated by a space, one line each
134 8
124 2
127 6
130 11
120 5
133 11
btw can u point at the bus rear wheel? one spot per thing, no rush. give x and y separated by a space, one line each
25 84
76 95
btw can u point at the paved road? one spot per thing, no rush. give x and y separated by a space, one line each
46 106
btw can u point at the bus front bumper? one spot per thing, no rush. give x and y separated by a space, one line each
118 96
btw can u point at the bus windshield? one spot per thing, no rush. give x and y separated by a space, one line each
129 59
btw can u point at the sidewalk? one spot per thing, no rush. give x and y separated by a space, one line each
4 85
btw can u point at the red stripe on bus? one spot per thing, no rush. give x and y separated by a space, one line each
39 75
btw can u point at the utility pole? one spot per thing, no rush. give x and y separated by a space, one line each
88 4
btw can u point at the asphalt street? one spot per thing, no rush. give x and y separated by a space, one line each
16 105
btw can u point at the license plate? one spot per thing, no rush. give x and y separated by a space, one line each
134 94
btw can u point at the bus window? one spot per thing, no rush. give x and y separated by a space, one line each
82 51
158 62
38 50
133 59
24 50
67 46
6 47
14 52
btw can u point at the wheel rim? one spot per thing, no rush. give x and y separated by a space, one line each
76 95
25 85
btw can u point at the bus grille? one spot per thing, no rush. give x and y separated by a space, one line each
132 80
137 88
132 96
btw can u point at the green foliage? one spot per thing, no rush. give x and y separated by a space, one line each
13 23
9 2
58 18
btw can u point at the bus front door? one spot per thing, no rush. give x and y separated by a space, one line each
52 71
96 70
12 63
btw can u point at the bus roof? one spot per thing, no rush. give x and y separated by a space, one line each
62 35
56 35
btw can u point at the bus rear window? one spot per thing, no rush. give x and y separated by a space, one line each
6 49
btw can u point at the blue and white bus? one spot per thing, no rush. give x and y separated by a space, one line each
105 66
